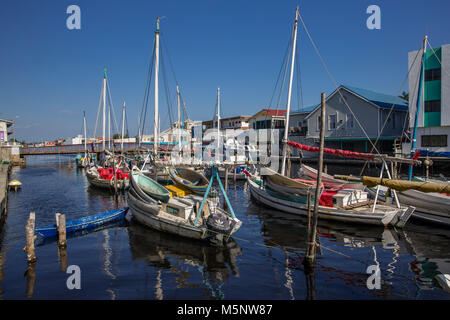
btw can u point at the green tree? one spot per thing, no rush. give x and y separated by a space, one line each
404 96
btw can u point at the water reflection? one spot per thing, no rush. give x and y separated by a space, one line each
177 255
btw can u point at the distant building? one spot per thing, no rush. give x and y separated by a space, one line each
267 119
4 125
237 122
433 122
343 132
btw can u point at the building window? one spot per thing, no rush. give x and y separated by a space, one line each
433 106
319 122
434 140
433 74
350 121
332 121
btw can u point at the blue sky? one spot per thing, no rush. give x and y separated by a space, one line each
49 74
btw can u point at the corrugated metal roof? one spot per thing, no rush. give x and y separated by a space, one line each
380 99
305 110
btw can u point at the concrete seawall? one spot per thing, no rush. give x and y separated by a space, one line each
3 189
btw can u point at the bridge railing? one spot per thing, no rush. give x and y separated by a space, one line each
92 147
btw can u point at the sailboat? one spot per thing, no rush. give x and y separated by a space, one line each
83 162
291 195
108 177
190 216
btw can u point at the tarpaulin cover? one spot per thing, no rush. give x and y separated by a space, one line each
333 152
402 185
108 173
326 198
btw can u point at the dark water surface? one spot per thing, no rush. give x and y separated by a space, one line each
130 261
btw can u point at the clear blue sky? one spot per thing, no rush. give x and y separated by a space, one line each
49 74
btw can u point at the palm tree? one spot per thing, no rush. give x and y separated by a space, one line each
404 96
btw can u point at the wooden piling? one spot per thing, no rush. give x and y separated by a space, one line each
61 225
62 256
30 274
234 175
226 179
311 239
30 237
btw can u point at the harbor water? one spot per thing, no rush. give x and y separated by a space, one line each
263 261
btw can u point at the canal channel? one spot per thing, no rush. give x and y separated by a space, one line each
264 260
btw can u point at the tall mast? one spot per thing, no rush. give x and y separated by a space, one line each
109 128
156 123
419 100
123 124
288 106
104 110
84 124
218 123
179 118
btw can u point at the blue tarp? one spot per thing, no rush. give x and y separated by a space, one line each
424 153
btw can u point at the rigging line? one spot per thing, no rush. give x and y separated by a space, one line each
299 81
112 107
167 90
282 68
143 114
98 112
170 60
279 73
284 78
334 83
437 58
391 110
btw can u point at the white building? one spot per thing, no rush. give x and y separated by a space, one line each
433 121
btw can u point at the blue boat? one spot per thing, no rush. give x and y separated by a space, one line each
84 223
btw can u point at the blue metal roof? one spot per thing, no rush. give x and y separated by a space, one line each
306 109
380 99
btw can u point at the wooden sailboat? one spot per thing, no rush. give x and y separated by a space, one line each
151 187
189 216
182 216
190 179
291 195
328 180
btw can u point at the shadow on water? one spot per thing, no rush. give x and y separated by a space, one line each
427 247
173 253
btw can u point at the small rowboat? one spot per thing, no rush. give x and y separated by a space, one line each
191 179
84 223
151 187
15 184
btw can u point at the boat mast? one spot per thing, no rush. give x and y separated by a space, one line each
123 124
104 110
84 124
109 128
156 124
218 123
179 118
288 106
419 100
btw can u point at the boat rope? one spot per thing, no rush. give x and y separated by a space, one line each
98 113
391 110
335 84
143 113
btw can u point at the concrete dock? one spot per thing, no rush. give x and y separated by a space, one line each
3 189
